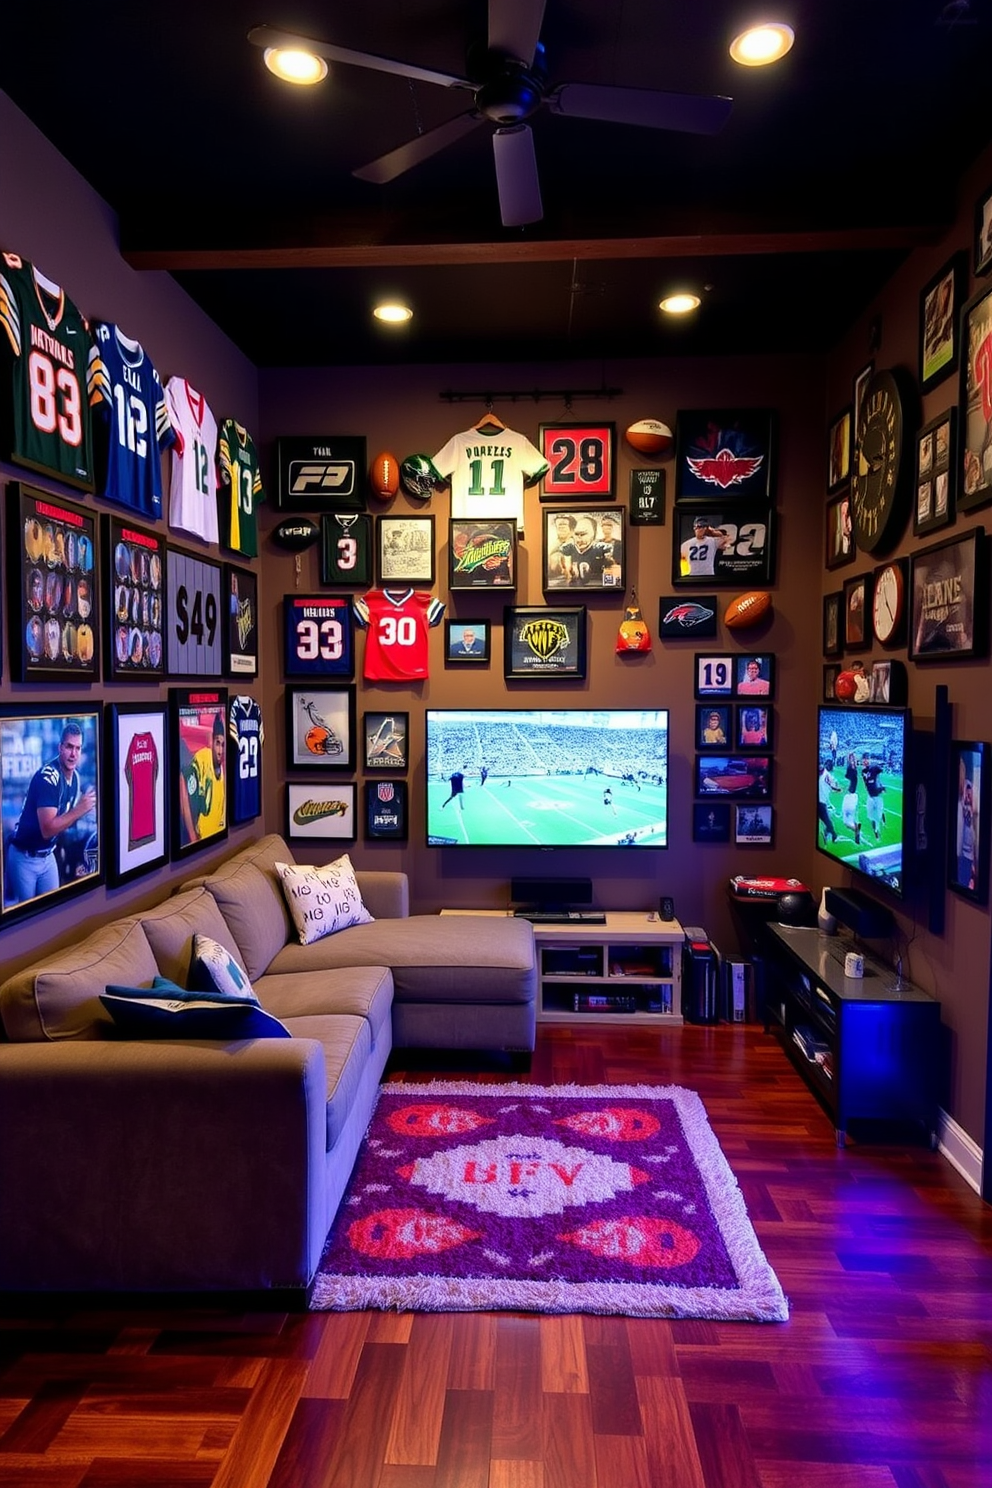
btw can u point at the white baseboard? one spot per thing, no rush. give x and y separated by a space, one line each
961 1152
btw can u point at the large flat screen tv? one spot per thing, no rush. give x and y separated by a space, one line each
547 777
861 790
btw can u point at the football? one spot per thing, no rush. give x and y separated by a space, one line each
296 533
650 437
747 609
384 476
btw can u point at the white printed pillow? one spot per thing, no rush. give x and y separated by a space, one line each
322 900
213 971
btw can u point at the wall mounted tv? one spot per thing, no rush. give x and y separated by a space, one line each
862 790
547 777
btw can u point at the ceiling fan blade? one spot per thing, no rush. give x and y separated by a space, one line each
516 176
270 36
421 148
515 28
691 113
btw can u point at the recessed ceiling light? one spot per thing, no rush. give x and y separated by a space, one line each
679 304
393 313
762 44
295 66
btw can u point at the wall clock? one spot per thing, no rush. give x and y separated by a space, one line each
889 604
880 482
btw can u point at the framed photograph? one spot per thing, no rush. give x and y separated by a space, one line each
752 726
982 256
482 554
319 632
833 636
725 455
856 610
50 764
245 739
386 740
714 726
134 586
346 549
584 549
240 628
839 451
754 674
940 306
137 771
714 676
721 545
321 472
581 459
545 641
54 601
321 813
858 389
887 682
406 550
466 641
949 599
830 675
968 822
198 768
936 473
320 728
753 824
711 821
647 498
748 778
840 548
193 628
687 619
386 810
975 457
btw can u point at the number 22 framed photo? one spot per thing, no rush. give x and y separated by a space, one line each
319 633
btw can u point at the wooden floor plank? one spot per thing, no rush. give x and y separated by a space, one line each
418 1408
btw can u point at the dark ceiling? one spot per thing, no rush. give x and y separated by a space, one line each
832 166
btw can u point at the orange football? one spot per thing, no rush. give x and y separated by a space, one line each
384 476
747 609
650 437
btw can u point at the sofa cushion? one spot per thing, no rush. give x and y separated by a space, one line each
347 1046
322 901
214 969
164 1010
248 892
361 991
170 928
59 998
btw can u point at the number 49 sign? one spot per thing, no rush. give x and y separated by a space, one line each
193 632
319 635
580 461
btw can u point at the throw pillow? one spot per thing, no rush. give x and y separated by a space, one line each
167 1011
322 900
212 968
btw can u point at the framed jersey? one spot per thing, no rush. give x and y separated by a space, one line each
319 636
134 588
198 768
240 488
346 548
321 472
131 423
52 587
397 623
245 737
192 615
137 769
240 622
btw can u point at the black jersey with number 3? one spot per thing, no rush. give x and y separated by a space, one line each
346 548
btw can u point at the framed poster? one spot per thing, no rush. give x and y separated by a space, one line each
975 488
466 641
482 554
833 636
319 634
134 585
752 824
346 548
681 619
839 451
54 601
752 726
50 763
545 641
406 551
748 778
647 498
581 458
968 822
240 622
193 615
714 726
940 306
584 549
198 768
386 737
321 472
386 810
246 737
723 545
856 611
711 821
936 473
320 728
949 599
725 455
137 771
840 547
321 813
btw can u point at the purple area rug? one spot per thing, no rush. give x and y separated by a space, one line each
562 1198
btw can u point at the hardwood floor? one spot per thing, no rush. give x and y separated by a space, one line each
881 1379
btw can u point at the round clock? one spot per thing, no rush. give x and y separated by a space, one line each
888 606
880 483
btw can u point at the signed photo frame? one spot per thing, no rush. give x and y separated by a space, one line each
482 554
936 473
134 584
949 599
545 641
52 578
386 810
581 458
406 550
320 728
723 544
137 776
584 549
466 642
386 740
197 768
712 443
968 821
321 813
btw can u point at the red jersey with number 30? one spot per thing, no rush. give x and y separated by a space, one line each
398 622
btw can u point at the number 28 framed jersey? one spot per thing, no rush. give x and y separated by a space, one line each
319 632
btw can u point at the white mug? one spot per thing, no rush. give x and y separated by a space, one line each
854 965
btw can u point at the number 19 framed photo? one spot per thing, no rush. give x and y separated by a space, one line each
193 615
319 634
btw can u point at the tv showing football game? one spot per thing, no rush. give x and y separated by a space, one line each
547 777
861 790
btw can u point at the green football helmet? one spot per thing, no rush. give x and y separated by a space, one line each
418 476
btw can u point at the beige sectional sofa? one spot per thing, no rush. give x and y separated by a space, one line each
177 1165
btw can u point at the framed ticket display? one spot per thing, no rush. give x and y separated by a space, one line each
134 582
53 596
198 768
193 615
240 622
319 635
581 459
137 768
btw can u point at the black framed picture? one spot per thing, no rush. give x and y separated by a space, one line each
50 767
949 599
134 585
940 306
968 821
482 554
711 821
681 619
753 824
839 450
386 813
240 629
714 675
466 642
320 727
975 488
840 546
246 738
546 641
714 726
723 545
859 387
830 675
346 549
754 675
52 581
584 549
647 498
321 812
581 459
386 740
856 611
321 472
406 550
198 768
936 473
137 772
752 726
725 455
833 636
193 628
319 635
982 254
887 682
746 777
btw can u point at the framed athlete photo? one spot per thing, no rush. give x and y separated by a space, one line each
752 726
975 456
949 599
723 545
197 768
581 458
714 676
840 547
482 554
725 455
466 642
968 821
321 472
754 674
584 549
245 741
940 309
346 549
134 587
830 675
752 824
686 619
714 726
856 611
321 813
320 728
647 498
318 634
137 773
51 764
193 628
406 550
711 821
52 587
982 254
747 778
386 810
240 590
545 641
936 474
839 451
386 739
833 635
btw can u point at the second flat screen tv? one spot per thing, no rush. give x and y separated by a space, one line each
861 791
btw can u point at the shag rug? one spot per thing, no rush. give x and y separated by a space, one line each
562 1198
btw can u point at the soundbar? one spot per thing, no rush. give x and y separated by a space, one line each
864 915
550 892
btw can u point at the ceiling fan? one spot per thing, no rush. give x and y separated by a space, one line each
510 88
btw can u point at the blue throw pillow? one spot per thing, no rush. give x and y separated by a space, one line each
213 969
167 1011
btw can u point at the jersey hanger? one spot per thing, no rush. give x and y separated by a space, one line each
490 424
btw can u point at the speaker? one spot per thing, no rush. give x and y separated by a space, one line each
551 890
666 907
864 915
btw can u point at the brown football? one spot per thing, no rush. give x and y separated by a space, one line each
384 476
747 609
